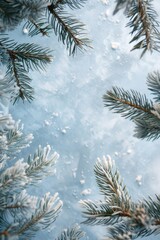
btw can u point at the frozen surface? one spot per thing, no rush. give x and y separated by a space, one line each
68 113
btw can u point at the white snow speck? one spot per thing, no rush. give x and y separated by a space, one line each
25 31
129 151
82 181
116 153
55 114
46 123
63 131
104 1
138 179
87 191
114 45
107 13
74 172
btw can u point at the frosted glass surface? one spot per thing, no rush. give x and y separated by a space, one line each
68 113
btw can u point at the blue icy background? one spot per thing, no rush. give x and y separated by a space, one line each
68 113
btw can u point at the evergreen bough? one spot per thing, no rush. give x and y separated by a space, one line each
116 211
22 215
135 106
39 17
142 19
123 218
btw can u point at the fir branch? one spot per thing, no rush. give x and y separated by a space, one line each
68 29
153 207
30 55
7 87
73 4
12 140
73 233
16 140
6 123
123 4
14 178
99 213
37 27
22 58
18 74
41 164
120 232
110 184
136 107
153 82
130 104
19 205
142 20
147 128
45 214
117 204
123 220
14 12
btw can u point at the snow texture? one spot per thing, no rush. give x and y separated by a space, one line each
68 113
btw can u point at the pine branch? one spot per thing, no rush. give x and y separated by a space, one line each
153 82
12 140
46 212
69 30
7 87
124 219
22 173
153 207
14 12
142 20
30 55
123 4
20 59
73 4
117 204
41 26
18 206
41 164
110 184
73 233
99 213
14 178
147 128
18 74
120 232
136 107
16 140
130 104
